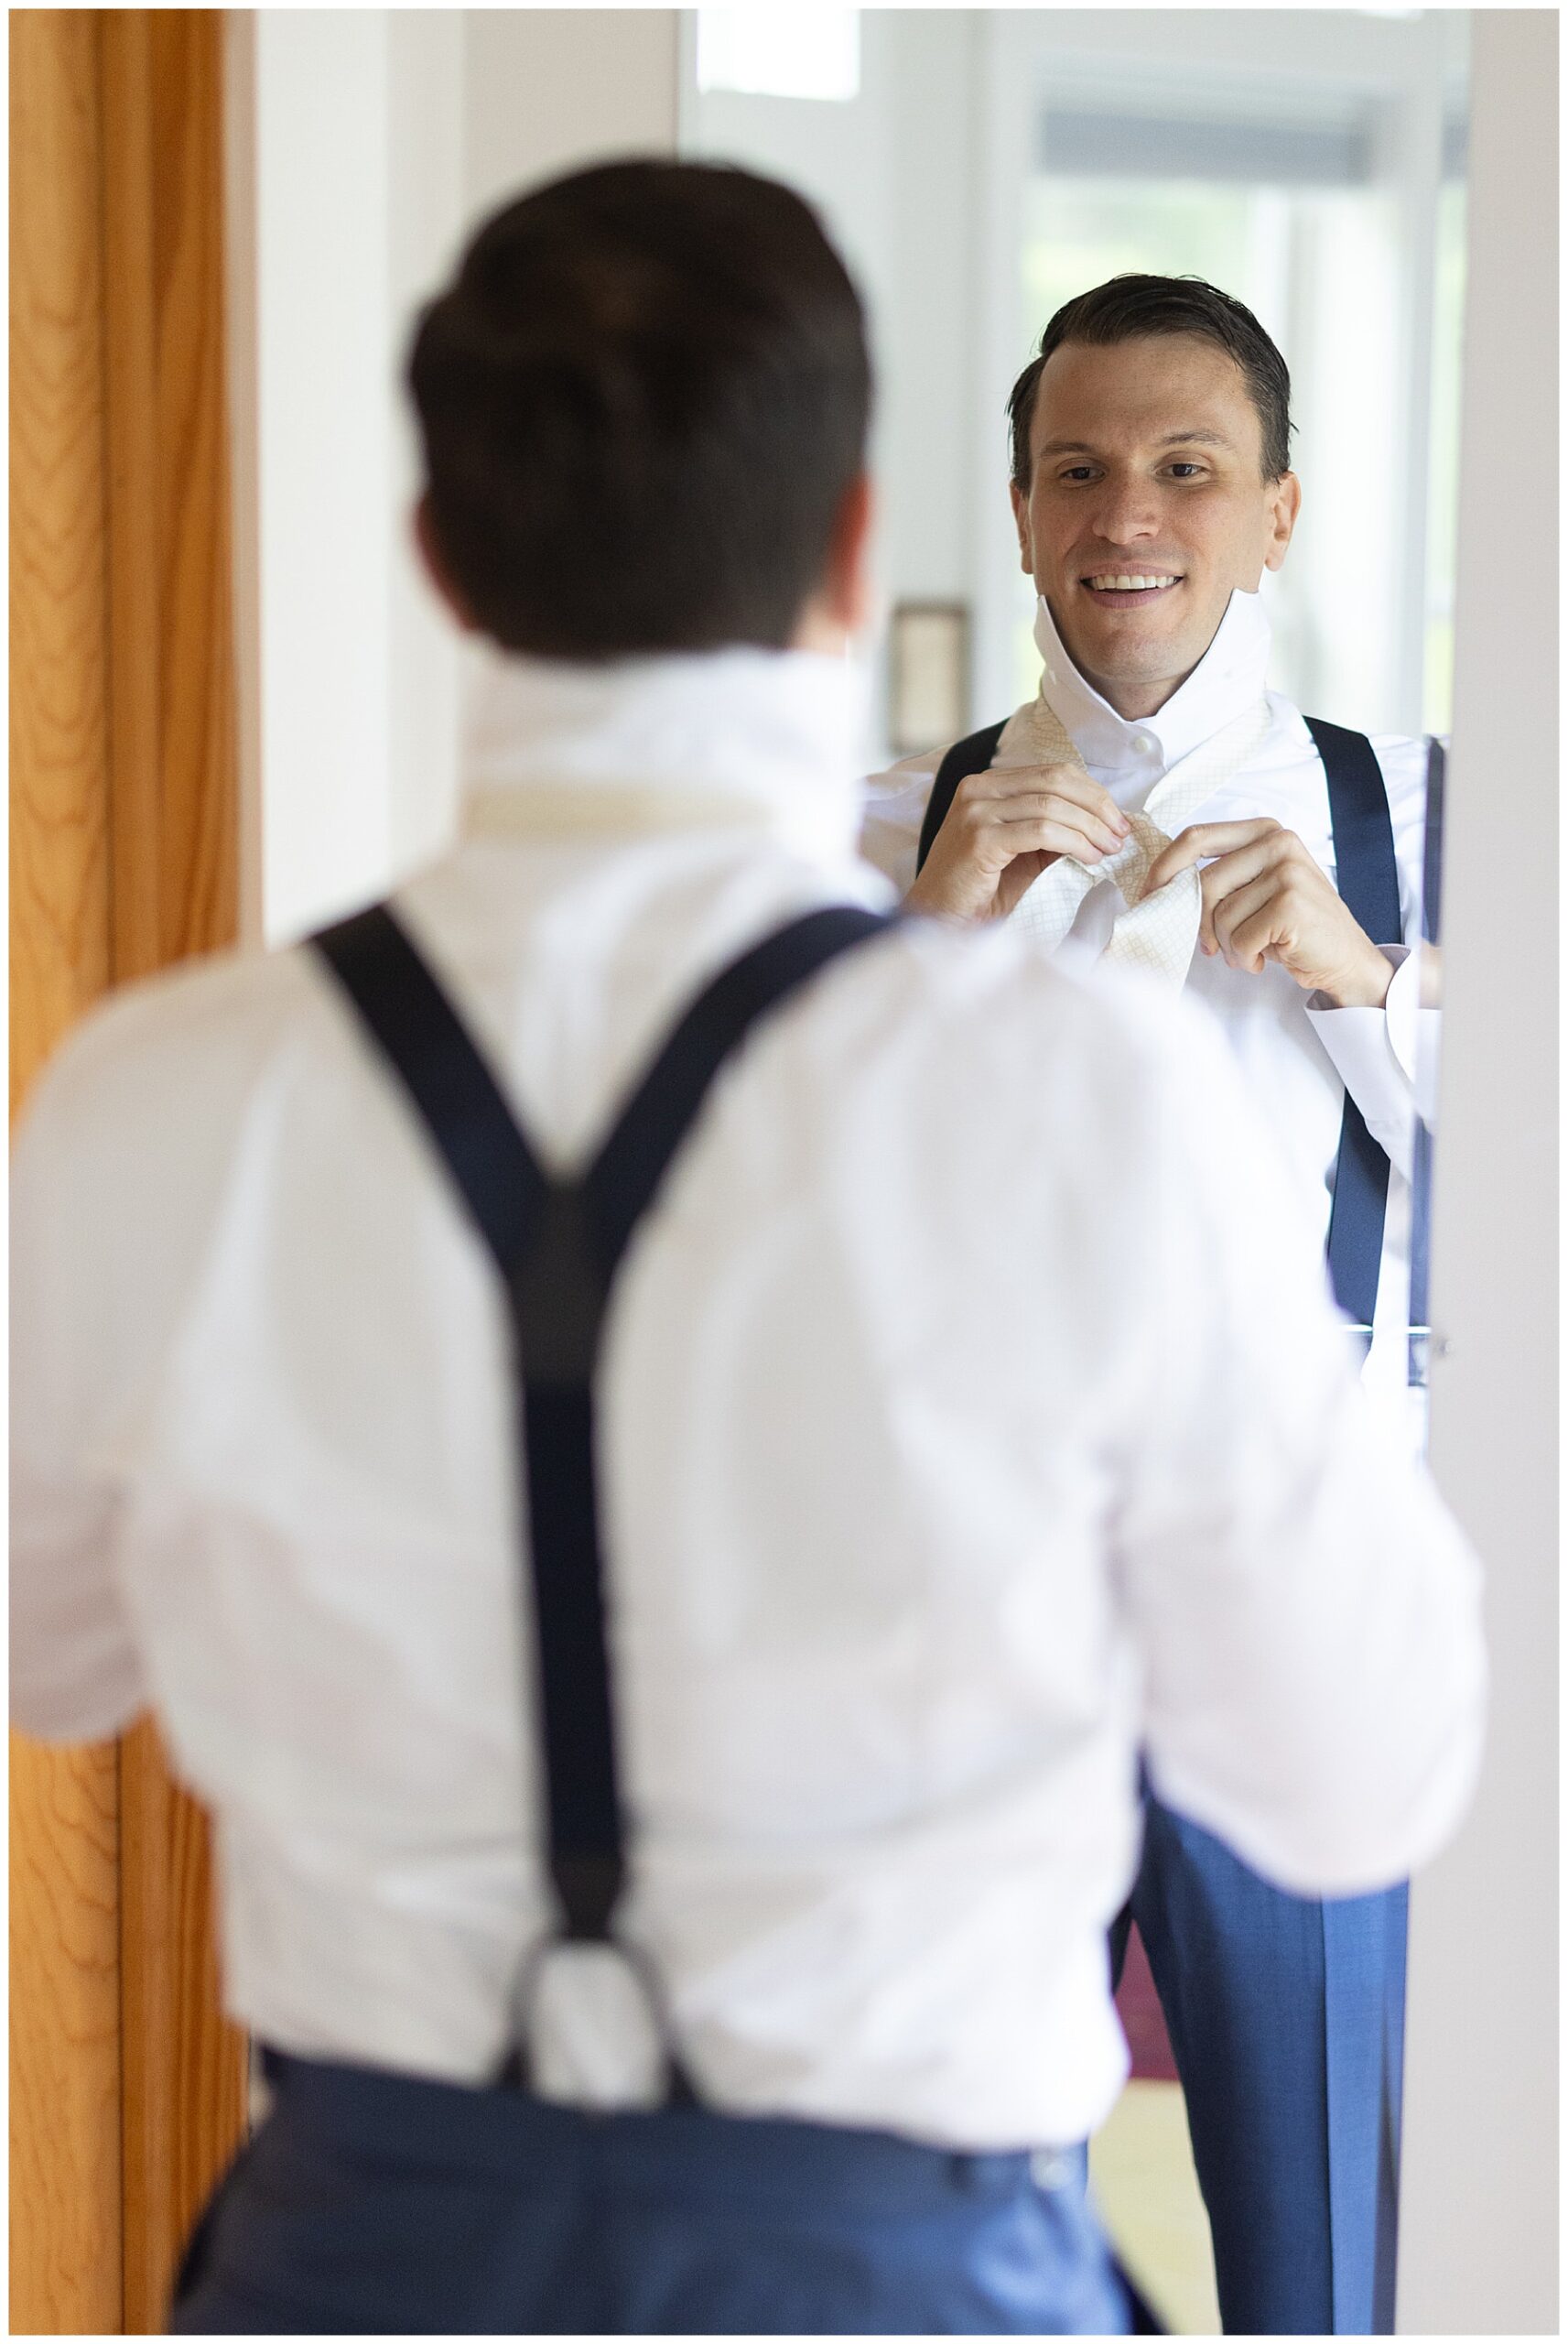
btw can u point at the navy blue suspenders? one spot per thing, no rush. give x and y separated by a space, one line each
557 1245
1421 1176
1367 877
962 759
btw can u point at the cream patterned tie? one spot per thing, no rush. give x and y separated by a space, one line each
1161 935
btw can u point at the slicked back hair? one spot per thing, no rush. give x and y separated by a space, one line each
1127 309
641 401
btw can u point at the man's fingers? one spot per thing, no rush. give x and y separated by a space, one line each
999 784
1240 913
1252 941
1046 806
1230 873
1049 835
1202 840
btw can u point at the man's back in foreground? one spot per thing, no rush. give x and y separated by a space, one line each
958 1435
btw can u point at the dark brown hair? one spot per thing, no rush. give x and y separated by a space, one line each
641 401
1126 308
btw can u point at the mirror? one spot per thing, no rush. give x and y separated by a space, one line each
980 168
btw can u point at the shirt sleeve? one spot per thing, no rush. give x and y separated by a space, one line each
893 809
75 1675
1307 1610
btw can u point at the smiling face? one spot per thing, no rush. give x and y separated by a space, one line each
1147 507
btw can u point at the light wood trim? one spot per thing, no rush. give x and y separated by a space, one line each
128 2088
132 532
174 801
65 2024
198 832
65 1918
58 720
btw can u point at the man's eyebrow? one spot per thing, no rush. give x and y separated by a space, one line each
1196 439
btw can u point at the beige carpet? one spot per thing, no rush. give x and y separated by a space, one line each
1140 2169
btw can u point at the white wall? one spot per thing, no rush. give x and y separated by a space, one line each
361 145
345 204
842 155
1478 2244
549 90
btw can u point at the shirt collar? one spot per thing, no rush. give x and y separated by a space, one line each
1228 678
769 740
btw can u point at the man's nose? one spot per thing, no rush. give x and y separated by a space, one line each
1127 511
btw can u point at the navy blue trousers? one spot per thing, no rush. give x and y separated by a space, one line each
375 2203
1286 2016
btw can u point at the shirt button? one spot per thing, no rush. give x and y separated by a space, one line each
1142 740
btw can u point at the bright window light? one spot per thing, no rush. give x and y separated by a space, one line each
768 53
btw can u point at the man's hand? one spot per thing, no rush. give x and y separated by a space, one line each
1003 829
1264 899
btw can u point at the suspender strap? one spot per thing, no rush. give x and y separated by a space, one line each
417 1030
631 1165
557 1246
962 759
1432 843
534 1231
1367 877
1365 871
1420 1177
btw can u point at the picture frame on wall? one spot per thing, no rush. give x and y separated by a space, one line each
928 675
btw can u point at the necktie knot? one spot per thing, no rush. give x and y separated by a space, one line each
1158 933
1130 865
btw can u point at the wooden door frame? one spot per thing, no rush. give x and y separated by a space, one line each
127 2087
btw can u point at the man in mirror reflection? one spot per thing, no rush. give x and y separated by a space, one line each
1157 807
673 1735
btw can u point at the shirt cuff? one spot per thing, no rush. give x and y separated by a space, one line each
1376 1055
1413 1030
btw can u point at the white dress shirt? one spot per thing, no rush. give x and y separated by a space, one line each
960 1431
1297 1057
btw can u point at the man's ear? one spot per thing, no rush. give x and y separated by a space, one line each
1284 505
848 579
433 562
1021 523
842 603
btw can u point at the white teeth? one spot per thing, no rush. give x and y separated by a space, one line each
1128 585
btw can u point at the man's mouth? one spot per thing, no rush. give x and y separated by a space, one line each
1124 588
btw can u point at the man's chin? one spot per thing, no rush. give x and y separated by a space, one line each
1122 656
1126 648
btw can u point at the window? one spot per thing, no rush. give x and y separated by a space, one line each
775 52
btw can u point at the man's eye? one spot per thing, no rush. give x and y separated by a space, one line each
1078 471
1186 471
